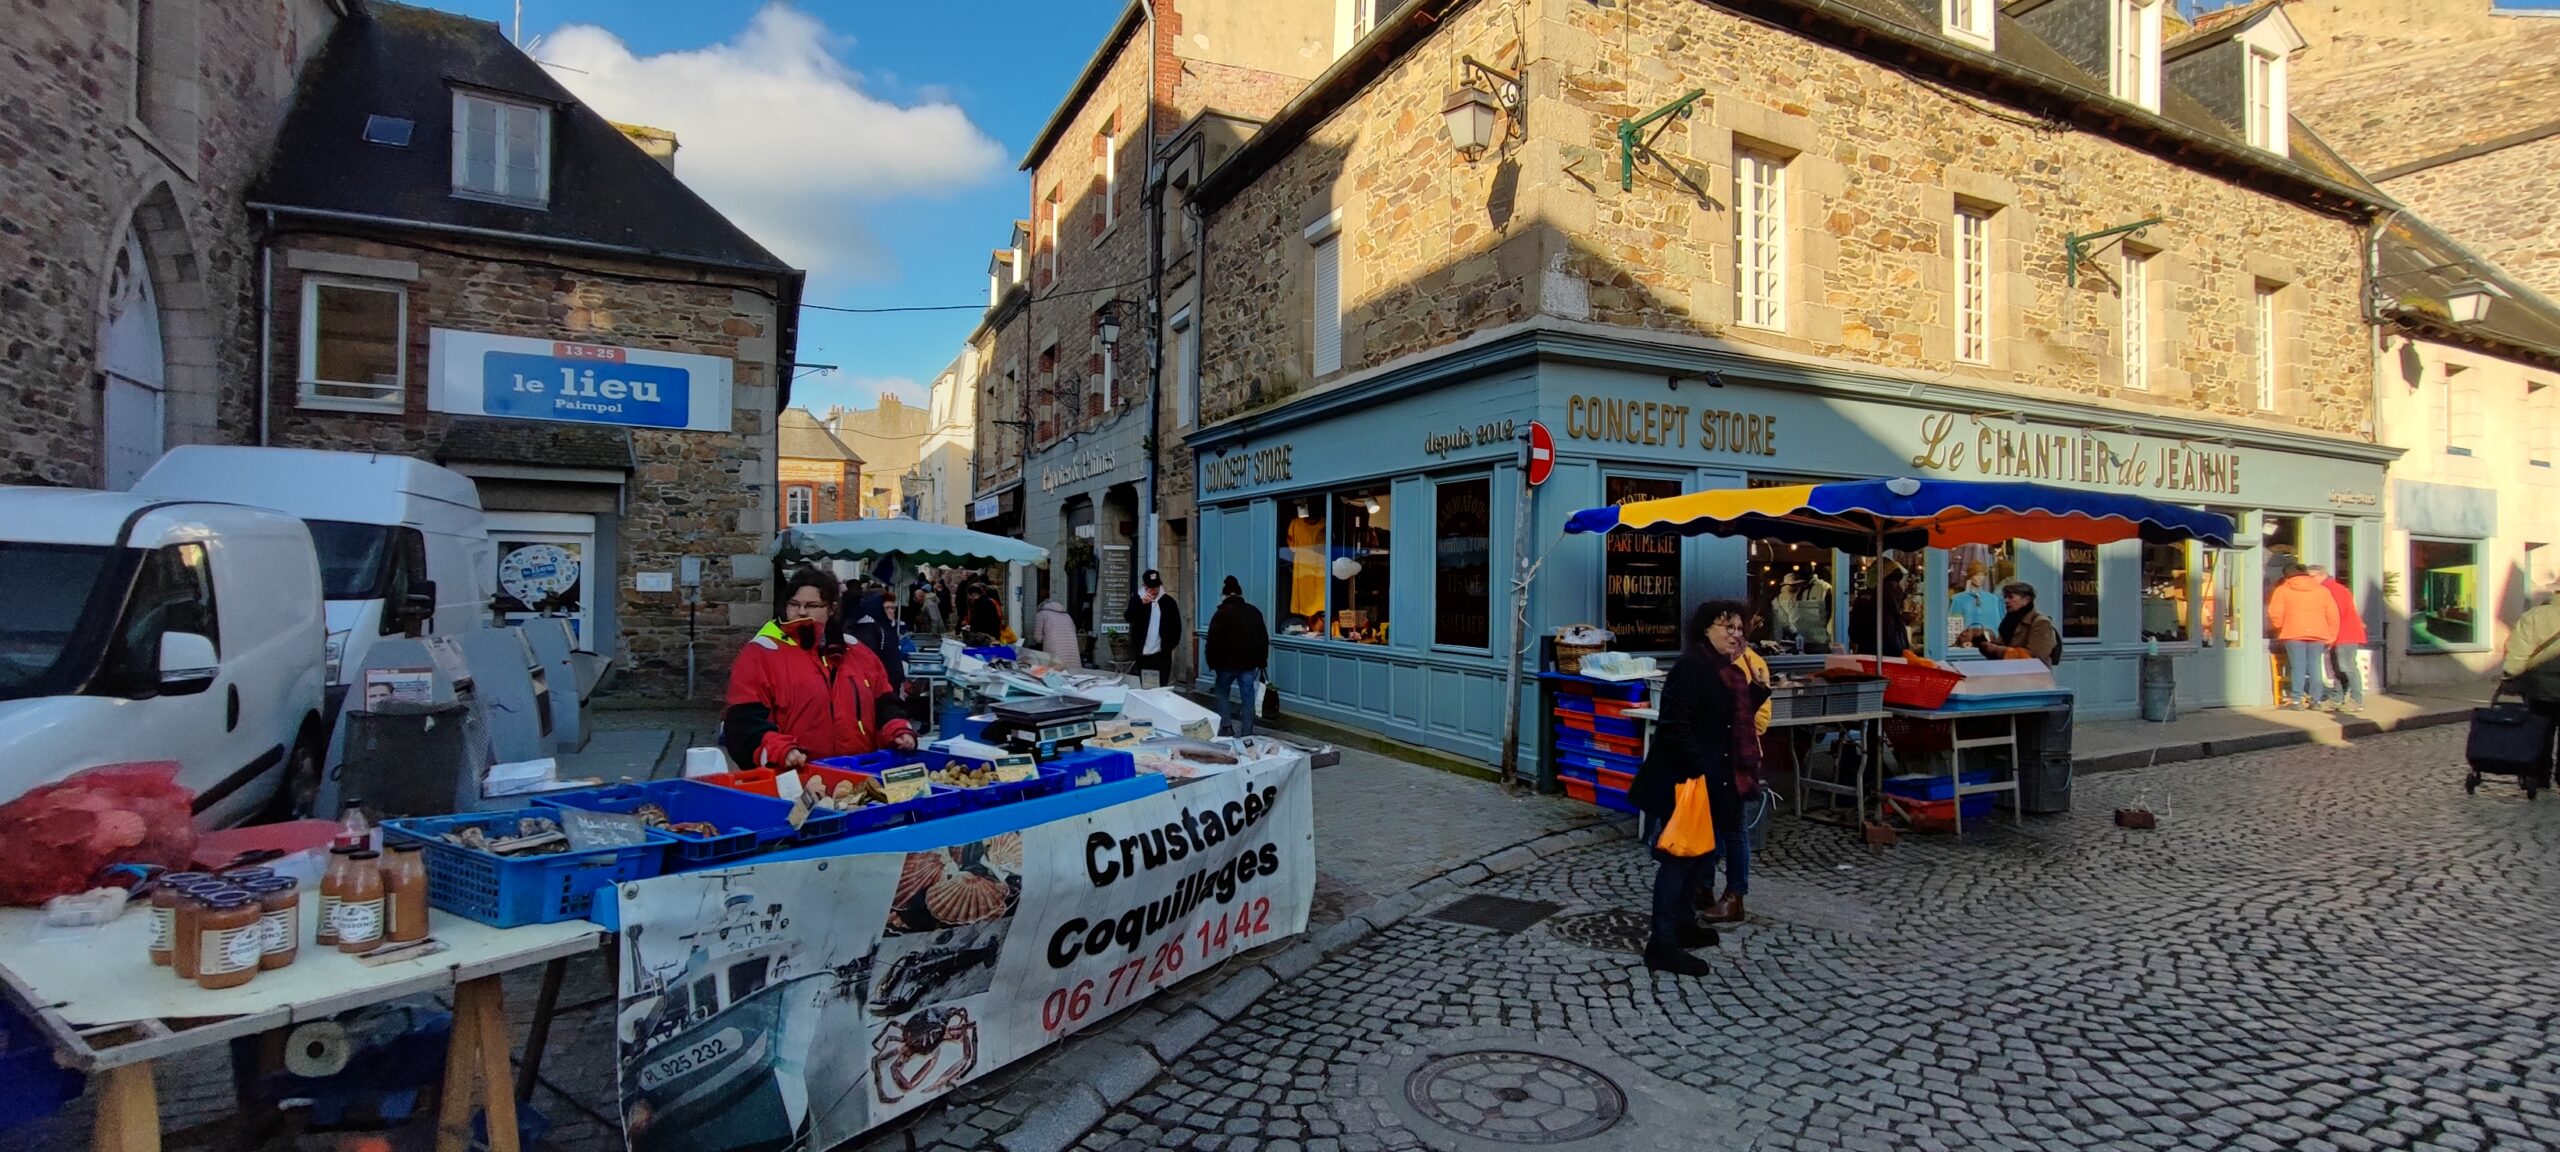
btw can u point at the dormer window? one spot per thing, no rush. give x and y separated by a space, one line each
2265 115
1967 20
2133 52
501 149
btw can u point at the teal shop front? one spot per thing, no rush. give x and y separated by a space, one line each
1373 523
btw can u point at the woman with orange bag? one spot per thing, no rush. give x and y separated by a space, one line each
1686 785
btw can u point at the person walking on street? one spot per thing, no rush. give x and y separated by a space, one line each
2351 640
2305 619
2025 633
1239 648
2533 655
1054 632
1155 627
1706 732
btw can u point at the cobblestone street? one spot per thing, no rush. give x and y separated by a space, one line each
2319 948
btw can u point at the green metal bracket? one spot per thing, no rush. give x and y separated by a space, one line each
2078 247
1627 129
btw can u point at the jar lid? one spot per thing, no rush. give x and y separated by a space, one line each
364 856
345 849
409 846
226 898
271 884
184 877
242 875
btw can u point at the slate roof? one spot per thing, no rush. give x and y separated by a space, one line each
541 443
395 60
2421 266
802 437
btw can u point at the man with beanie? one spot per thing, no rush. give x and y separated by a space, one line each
1155 627
1239 647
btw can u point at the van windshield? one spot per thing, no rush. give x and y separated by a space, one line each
355 559
62 601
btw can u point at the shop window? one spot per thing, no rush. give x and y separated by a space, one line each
1975 573
2444 595
2079 591
351 345
2283 541
1462 564
798 505
1640 573
501 149
2217 613
2165 613
1792 589
1360 569
2342 557
1300 586
1902 579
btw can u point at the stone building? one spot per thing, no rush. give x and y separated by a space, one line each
1080 332
1727 243
939 487
821 476
2452 107
889 437
467 264
127 317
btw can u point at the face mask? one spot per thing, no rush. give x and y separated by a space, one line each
802 632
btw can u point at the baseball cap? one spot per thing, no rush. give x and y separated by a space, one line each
1153 579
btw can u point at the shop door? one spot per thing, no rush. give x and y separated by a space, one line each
542 563
129 344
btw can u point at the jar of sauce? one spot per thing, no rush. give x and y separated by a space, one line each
359 919
404 893
229 939
280 919
330 882
182 925
164 912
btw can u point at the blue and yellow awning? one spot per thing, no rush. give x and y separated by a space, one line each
1866 515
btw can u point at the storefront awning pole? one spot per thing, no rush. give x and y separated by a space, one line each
1516 627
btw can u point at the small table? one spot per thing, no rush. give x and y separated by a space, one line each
110 1012
1856 788
1958 743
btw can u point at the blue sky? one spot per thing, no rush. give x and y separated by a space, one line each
873 144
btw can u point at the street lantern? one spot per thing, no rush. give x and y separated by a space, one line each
2469 301
1110 329
1470 114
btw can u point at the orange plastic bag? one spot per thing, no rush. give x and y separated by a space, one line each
1692 830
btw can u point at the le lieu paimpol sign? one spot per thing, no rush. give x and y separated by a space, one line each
527 378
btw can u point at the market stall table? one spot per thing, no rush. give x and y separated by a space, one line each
1988 708
1856 788
111 1013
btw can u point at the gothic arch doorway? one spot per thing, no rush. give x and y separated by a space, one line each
135 416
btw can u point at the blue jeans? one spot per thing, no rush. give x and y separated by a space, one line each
1242 718
2350 674
2302 661
1675 892
1735 850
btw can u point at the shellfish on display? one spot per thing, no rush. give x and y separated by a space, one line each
1004 853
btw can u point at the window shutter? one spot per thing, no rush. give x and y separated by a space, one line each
1328 305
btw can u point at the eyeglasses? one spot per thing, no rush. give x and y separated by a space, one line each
809 605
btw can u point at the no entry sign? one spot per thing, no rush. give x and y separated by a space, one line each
1542 453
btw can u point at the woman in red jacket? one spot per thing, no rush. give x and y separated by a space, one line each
799 692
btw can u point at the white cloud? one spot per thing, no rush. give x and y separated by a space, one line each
818 390
780 135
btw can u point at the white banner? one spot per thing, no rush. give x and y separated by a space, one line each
799 1004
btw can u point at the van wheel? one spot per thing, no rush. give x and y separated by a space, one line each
300 787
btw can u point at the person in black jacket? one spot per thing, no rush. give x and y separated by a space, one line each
869 621
1706 731
1239 648
1155 627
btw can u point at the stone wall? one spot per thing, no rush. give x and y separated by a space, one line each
79 166
707 494
2504 206
1436 246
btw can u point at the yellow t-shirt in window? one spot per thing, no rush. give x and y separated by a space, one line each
1306 566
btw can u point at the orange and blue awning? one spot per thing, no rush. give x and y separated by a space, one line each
1866 515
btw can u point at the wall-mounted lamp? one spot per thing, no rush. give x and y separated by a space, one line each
1472 109
1110 327
2468 302
1711 378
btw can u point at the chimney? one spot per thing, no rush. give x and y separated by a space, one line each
659 143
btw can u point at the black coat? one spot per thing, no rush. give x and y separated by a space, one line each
1695 737
870 623
1239 640
1169 633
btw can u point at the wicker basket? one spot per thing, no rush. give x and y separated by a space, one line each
1569 656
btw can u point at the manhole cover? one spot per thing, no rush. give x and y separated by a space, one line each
1515 1097
1617 930
1500 913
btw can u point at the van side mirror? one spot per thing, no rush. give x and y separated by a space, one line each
419 606
187 664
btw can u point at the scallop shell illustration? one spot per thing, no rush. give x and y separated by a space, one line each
922 870
965 899
1004 853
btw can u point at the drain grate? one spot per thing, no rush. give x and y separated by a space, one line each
1512 1097
1617 930
1500 913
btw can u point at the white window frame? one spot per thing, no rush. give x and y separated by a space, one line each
1972 252
2133 52
799 504
1105 167
2133 307
2263 109
1759 240
1324 295
1967 20
2266 365
395 397
507 111
2539 396
1186 369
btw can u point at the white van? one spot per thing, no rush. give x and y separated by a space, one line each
403 547
140 628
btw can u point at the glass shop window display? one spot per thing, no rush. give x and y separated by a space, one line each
1640 597
2165 614
1898 574
1975 573
1361 522
1301 568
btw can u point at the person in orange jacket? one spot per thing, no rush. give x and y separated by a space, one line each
800 693
2305 619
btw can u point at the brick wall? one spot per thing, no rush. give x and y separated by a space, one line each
708 494
834 487
1436 247
76 170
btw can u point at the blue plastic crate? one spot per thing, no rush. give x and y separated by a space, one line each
1582 772
1048 781
1571 741
746 822
1937 786
1612 799
509 892
1568 686
1586 758
936 803
990 652
32 1085
1087 766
